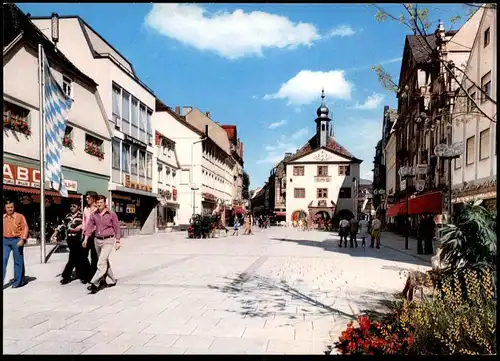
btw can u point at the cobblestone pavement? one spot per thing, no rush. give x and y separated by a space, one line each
278 291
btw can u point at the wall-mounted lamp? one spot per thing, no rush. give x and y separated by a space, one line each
55 27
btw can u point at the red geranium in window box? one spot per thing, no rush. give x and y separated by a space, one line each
68 142
94 149
16 123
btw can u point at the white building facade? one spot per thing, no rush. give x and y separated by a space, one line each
322 177
84 168
129 105
474 173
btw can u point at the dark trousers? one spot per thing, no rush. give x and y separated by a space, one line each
428 245
343 236
94 258
10 245
78 259
353 239
420 248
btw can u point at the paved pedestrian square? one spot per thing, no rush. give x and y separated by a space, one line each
280 291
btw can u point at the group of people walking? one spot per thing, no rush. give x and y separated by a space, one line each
94 232
362 227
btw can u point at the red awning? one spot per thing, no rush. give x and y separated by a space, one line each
396 209
426 203
36 191
280 214
239 211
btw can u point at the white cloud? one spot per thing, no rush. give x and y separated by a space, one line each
285 144
277 124
342 30
305 87
372 102
231 35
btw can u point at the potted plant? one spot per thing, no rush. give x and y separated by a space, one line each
68 142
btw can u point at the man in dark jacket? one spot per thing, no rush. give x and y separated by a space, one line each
420 234
429 232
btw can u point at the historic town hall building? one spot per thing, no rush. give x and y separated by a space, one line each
322 177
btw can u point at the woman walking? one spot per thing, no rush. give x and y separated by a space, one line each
236 226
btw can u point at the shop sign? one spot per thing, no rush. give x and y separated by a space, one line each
29 177
135 141
130 208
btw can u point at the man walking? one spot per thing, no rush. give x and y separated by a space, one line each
376 229
77 259
343 231
91 198
15 234
103 224
428 234
353 231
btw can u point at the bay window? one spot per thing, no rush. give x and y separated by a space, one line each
142 163
133 162
125 158
115 153
125 112
142 124
149 165
134 117
149 128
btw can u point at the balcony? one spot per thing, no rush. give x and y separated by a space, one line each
322 179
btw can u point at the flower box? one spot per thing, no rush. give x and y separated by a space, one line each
16 123
94 149
68 142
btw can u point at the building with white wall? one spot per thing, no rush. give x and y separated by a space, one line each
84 169
322 177
474 173
128 104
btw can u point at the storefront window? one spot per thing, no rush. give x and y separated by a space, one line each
149 165
133 162
142 162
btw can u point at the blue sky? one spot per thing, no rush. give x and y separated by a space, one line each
262 66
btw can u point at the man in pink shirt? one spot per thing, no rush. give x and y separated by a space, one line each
89 209
104 225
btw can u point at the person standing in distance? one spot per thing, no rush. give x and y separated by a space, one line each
15 234
91 198
104 225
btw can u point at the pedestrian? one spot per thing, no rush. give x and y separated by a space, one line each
236 226
90 198
363 230
429 233
104 226
251 223
15 234
247 225
353 232
375 232
73 223
343 231
420 234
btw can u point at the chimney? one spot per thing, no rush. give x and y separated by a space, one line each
178 110
288 155
186 110
207 114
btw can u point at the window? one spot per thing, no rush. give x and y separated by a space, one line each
299 193
134 118
67 86
160 173
125 157
133 162
142 123
115 152
322 170
484 144
149 127
345 192
116 100
486 86
149 165
68 137
298 170
470 104
458 162
469 156
486 37
344 170
125 106
322 193
94 146
142 163
16 118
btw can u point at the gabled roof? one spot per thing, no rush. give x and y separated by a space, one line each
162 107
312 145
17 27
419 48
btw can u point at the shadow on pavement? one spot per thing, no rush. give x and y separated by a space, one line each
27 279
385 252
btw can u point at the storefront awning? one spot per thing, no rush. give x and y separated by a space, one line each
280 214
395 209
239 210
426 203
37 191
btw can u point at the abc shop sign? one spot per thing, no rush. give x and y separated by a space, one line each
28 177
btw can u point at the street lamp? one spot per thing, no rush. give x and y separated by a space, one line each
449 152
406 172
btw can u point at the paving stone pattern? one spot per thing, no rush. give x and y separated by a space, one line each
280 291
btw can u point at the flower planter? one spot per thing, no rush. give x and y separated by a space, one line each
68 142
94 150
16 123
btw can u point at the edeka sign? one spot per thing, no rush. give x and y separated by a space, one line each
29 177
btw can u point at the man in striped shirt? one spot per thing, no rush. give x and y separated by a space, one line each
15 234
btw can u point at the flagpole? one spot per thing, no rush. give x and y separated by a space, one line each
43 258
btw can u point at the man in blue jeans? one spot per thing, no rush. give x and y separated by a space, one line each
15 234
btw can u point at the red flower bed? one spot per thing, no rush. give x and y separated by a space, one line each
94 149
16 123
373 338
